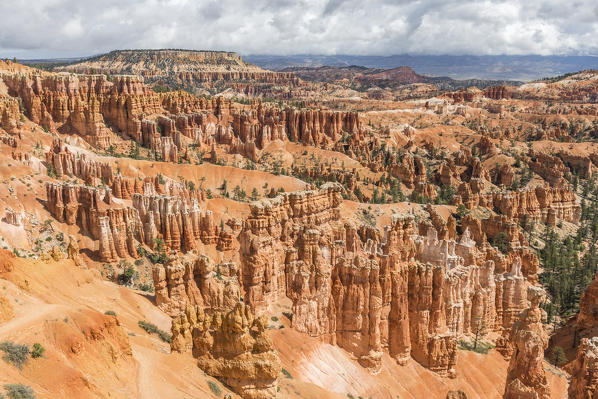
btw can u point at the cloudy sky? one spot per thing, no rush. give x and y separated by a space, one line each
63 28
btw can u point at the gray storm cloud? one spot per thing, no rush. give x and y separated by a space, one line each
63 28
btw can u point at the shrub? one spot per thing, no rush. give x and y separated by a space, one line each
215 388
141 251
138 262
274 318
151 328
14 354
38 350
161 258
482 347
286 373
110 313
19 391
164 336
146 287
462 211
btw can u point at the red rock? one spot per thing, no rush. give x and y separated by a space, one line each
526 376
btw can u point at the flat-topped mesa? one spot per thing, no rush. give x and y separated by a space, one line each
195 280
84 104
182 67
526 377
584 373
232 346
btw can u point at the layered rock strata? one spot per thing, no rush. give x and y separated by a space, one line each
177 220
401 292
542 204
584 374
526 377
232 346
195 279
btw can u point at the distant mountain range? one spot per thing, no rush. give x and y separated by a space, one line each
499 67
363 78
462 67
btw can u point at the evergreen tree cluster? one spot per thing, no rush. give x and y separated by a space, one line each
570 262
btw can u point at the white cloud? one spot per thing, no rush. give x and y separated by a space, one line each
47 28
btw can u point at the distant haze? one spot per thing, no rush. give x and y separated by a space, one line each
69 28
499 67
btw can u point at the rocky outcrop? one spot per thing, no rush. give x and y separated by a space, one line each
196 280
587 319
232 346
86 332
272 223
115 226
526 377
12 217
584 374
541 204
65 163
119 228
6 261
85 104
10 114
497 93
404 293
456 395
550 168
72 251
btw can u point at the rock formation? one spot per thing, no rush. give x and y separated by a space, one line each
9 114
526 376
456 395
403 293
542 204
584 374
185 67
72 251
84 103
232 346
177 220
195 280
586 324
12 217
